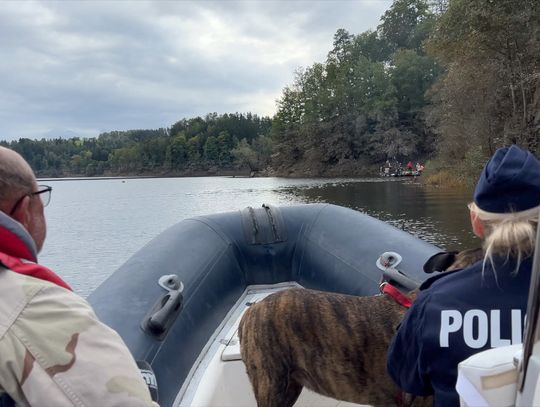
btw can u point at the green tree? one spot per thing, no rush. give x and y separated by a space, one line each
211 149
412 76
193 149
407 24
245 156
176 154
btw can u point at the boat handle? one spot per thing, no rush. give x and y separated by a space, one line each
401 279
163 314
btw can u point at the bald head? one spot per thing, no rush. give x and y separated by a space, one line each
16 177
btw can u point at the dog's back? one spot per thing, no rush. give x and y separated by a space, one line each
333 344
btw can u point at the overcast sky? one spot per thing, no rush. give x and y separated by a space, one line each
84 67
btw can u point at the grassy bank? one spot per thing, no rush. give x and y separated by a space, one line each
443 179
461 174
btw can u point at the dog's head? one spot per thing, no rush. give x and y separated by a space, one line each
448 261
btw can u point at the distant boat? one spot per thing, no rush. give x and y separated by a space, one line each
401 173
178 300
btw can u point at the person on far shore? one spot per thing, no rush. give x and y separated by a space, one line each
53 348
483 306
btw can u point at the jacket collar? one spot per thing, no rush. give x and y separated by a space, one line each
15 240
18 252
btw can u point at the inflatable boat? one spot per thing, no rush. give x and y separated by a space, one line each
177 302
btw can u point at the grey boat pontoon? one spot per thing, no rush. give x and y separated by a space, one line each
178 300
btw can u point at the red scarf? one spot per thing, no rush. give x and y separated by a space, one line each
21 259
32 269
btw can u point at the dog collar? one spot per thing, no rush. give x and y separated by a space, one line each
398 296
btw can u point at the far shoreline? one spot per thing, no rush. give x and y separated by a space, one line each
119 177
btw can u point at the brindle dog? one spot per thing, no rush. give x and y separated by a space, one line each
333 344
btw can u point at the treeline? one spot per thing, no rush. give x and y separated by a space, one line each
446 80
365 103
190 146
450 80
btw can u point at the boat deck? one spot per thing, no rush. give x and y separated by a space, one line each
219 377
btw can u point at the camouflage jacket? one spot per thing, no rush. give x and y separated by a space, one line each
53 349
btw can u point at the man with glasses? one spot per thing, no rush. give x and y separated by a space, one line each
53 349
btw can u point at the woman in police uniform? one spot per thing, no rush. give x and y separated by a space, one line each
483 306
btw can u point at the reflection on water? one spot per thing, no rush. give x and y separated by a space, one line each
94 226
434 215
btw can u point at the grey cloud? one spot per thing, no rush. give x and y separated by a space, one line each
87 67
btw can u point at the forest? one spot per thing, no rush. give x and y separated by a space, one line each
445 81
195 146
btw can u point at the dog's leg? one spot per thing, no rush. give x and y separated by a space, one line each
269 375
274 390
270 378
291 394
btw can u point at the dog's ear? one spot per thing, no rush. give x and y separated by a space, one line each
439 262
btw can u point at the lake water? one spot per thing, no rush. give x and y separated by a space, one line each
96 225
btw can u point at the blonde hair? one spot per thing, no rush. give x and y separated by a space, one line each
508 234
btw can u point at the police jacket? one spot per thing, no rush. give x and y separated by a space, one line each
53 349
455 316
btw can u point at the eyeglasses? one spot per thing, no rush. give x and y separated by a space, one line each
44 192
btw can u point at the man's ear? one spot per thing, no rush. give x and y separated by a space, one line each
22 212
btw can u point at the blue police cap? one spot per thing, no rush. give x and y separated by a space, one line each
509 182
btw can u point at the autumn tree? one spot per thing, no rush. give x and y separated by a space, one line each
490 94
